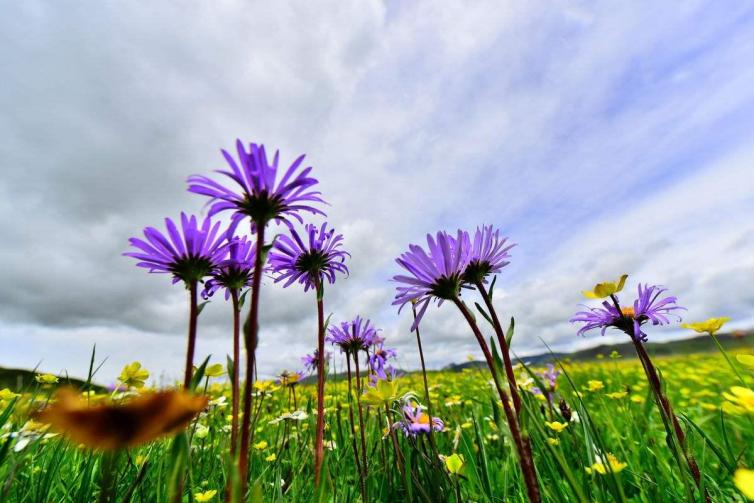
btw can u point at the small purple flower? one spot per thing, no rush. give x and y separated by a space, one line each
416 422
378 359
308 263
353 336
488 253
236 271
189 254
629 319
311 361
434 275
549 377
260 197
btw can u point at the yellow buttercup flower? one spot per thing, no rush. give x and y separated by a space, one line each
742 399
272 457
556 426
602 290
744 481
553 441
7 394
133 375
600 467
215 370
617 395
260 446
385 392
46 379
205 496
710 326
747 360
455 464
595 385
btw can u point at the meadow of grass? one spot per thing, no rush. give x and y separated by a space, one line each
597 436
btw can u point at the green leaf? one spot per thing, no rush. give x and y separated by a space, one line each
200 307
199 374
509 332
483 313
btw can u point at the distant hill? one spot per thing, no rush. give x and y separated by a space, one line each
698 344
20 379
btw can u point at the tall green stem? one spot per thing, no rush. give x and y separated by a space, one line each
319 451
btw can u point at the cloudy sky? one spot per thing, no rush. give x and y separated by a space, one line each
602 138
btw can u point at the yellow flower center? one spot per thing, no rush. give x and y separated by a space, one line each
628 311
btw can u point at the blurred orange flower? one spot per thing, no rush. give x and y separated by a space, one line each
114 426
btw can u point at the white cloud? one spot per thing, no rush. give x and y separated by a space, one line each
603 139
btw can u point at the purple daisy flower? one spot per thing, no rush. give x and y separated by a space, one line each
629 319
488 253
353 336
416 422
311 361
189 254
260 197
236 271
434 275
378 359
308 263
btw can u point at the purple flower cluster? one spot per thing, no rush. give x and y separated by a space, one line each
549 378
450 264
648 307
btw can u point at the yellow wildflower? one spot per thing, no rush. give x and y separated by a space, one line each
556 426
747 360
617 395
553 441
595 385
260 446
741 398
46 379
205 496
602 290
133 375
272 457
709 326
455 464
7 394
215 370
744 481
615 466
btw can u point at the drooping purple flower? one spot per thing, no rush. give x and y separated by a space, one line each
549 378
647 307
378 359
260 197
353 336
308 262
189 254
311 361
488 253
434 275
416 422
236 271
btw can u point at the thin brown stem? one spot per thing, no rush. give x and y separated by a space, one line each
522 445
504 349
319 451
362 433
251 329
435 452
193 315
352 423
236 373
